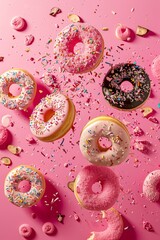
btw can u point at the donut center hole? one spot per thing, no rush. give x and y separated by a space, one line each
75 46
126 86
123 30
79 48
104 143
14 90
97 187
48 115
24 186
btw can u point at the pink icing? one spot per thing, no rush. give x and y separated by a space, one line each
29 39
119 138
24 199
59 104
26 83
150 186
123 33
155 67
48 228
18 23
68 38
3 134
114 229
25 230
88 176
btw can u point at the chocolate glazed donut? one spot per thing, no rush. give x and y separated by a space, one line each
135 75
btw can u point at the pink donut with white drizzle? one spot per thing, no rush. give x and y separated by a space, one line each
28 89
123 33
52 118
114 226
24 173
150 186
84 182
83 61
111 129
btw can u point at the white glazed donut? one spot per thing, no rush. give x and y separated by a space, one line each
28 89
52 118
86 61
24 199
150 185
110 128
114 226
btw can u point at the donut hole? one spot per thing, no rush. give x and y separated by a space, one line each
126 86
104 144
97 187
123 30
75 46
24 186
48 115
14 90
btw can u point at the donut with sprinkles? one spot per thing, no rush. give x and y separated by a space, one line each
19 174
126 100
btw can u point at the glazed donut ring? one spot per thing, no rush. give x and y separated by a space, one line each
28 89
24 199
86 178
150 186
110 128
114 226
120 73
83 62
52 118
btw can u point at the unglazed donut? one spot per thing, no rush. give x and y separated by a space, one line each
86 178
86 61
52 118
110 128
114 226
120 99
19 174
150 186
28 89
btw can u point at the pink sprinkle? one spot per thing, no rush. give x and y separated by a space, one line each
29 39
132 9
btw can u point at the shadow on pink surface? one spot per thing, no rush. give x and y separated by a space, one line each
41 92
129 233
50 205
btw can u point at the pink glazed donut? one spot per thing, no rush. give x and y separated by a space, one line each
123 33
28 89
150 186
52 118
155 67
25 230
114 226
84 61
84 182
105 127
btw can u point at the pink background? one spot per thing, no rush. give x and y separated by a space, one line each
85 91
